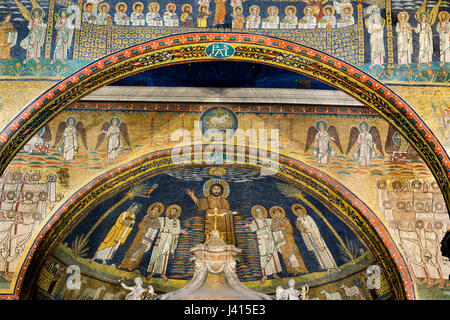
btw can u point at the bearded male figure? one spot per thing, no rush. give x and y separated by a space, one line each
215 203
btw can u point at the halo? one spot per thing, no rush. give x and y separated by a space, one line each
104 4
74 120
43 196
167 7
118 120
254 6
348 6
223 183
36 216
441 14
272 210
257 206
184 6
403 13
416 185
10 195
331 7
157 6
234 9
421 14
61 10
136 3
29 195
294 8
120 3
84 5
156 204
361 123
36 176
17 176
40 9
295 206
321 121
276 10
174 206
310 7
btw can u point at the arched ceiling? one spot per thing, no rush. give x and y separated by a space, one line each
260 49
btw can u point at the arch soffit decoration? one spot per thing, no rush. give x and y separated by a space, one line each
341 200
190 47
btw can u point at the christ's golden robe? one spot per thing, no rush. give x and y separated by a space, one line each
225 224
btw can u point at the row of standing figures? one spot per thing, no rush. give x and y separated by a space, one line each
375 24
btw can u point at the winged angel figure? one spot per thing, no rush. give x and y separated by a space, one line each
425 20
68 132
35 39
367 138
322 135
114 130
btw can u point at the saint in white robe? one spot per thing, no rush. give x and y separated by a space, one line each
270 262
323 150
69 145
366 150
404 43
327 21
63 39
154 19
271 22
35 39
89 17
137 19
425 42
253 22
289 22
121 19
103 19
314 242
375 29
165 245
114 143
307 22
444 39
170 19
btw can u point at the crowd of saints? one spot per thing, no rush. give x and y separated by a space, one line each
160 229
316 15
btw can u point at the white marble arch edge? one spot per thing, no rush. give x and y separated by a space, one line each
316 97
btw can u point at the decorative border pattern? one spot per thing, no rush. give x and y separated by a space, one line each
188 48
239 108
370 228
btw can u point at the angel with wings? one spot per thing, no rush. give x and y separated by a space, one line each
114 130
398 147
366 137
322 135
64 35
425 20
375 27
35 39
68 131
40 141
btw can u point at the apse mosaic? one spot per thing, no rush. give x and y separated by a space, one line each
150 236
352 145
398 41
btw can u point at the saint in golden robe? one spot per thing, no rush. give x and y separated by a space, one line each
118 234
289 251
8 37
215 203
219 17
